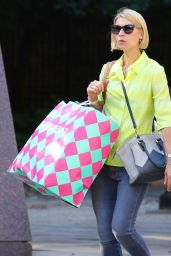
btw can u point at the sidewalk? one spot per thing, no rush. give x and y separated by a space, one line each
59 229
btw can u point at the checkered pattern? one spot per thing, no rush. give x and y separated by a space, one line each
66 152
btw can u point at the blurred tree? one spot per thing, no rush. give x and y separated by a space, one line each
32 10
34 15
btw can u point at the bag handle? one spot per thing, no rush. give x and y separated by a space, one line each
104 79
160 145
104 82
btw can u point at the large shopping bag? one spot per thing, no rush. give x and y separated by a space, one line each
66 152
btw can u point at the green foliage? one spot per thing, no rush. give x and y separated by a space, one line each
21 10
106 7
32 10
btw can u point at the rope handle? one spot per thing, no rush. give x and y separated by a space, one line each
104 79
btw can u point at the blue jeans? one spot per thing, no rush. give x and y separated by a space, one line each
116 204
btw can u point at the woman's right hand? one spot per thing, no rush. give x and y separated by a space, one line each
93 90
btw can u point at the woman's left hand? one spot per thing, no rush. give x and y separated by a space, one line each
167 179
166 133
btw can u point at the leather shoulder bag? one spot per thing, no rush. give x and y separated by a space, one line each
144 156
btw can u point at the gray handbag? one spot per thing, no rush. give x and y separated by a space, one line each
144 156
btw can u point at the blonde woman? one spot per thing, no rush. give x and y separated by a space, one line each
115 201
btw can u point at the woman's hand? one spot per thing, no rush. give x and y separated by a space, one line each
166 132
93 90
167 178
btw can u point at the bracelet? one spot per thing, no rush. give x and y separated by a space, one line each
93 102
168 155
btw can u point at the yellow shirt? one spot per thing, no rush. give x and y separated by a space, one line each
148 93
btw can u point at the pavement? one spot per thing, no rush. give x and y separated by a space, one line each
59 229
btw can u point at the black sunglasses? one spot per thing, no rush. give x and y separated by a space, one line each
128 29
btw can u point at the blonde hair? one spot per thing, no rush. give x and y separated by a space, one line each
138 20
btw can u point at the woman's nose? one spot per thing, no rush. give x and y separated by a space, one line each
121 32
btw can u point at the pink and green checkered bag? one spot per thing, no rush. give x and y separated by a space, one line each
66 152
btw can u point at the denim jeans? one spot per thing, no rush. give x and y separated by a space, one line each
116 204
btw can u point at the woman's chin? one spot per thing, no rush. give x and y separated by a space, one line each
121 47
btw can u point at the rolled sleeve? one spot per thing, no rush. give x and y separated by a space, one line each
162 101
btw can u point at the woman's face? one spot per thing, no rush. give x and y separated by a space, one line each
129 39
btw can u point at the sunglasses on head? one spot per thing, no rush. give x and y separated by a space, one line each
128 29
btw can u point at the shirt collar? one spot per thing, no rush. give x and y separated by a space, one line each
136 66
140 62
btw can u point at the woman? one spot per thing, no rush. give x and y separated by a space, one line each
115 201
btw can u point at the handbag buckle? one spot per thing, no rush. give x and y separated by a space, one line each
159 143
142 145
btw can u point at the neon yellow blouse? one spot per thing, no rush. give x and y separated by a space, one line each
148 93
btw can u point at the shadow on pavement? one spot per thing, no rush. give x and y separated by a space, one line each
15 249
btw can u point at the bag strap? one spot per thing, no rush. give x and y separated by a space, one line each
104 79
130 110
131 113
142 144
